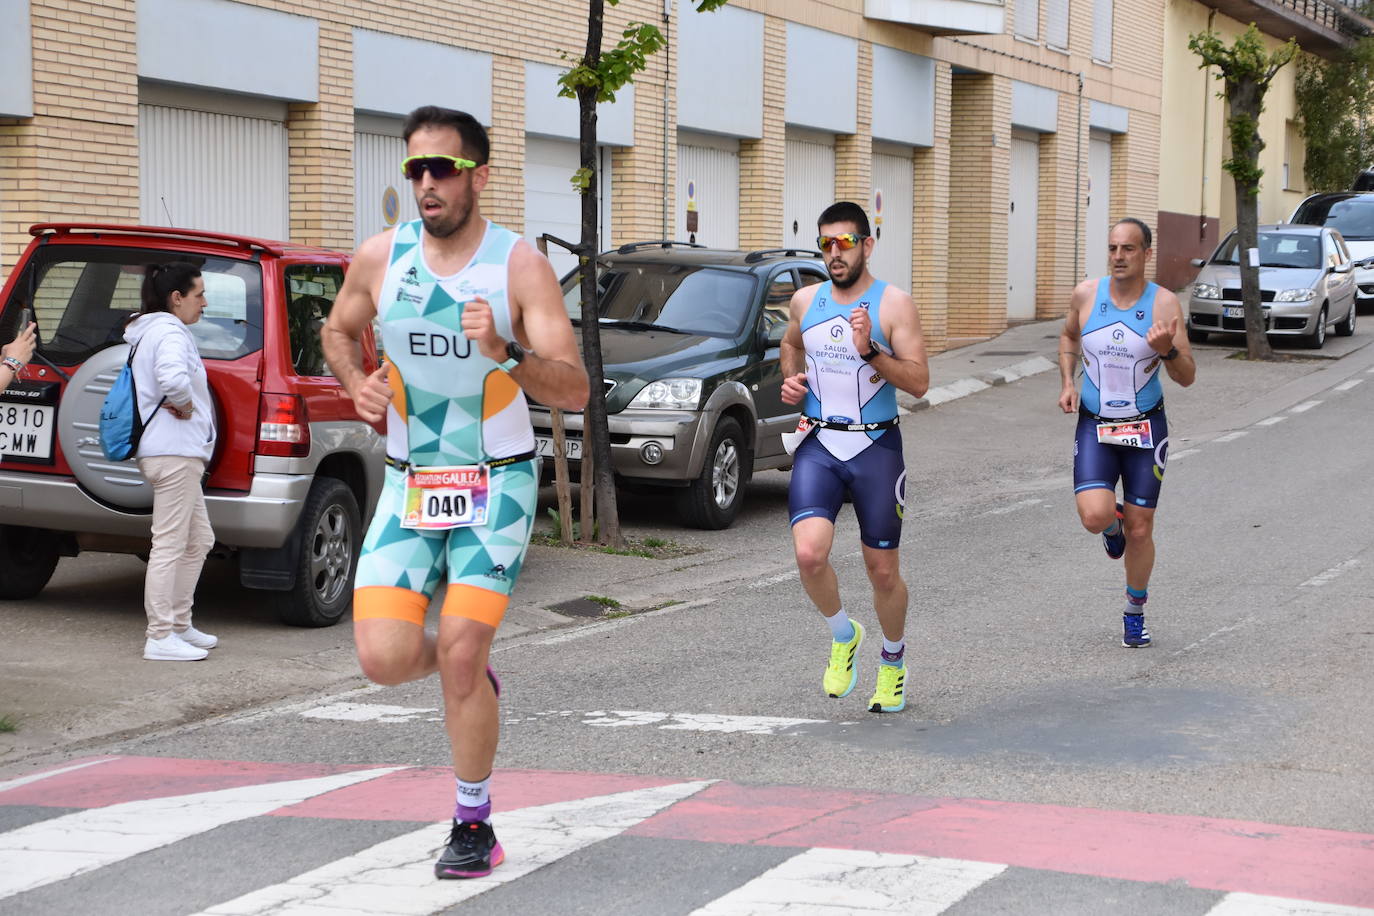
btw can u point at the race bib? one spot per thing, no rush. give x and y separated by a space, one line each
1135 434
449 497
792 440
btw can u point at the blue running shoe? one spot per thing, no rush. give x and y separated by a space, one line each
1115 544
1135 635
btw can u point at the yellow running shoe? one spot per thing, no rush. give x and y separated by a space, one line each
840 674
890 696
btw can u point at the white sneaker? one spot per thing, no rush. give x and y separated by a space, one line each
172 648
198 639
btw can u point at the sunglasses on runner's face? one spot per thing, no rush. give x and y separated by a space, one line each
846 241
440 167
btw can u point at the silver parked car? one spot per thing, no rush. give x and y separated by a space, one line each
1306 279
1352 215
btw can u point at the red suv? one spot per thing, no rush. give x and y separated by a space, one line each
293 461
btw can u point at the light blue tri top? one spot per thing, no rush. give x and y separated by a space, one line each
1120 370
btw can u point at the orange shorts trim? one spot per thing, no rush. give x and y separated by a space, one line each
473 603
384 602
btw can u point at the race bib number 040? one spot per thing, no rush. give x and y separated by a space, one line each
449 497
1135 434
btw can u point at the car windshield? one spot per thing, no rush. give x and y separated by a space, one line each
1277 249
685 298
84 296
1353 216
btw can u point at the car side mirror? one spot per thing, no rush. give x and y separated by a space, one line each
1342 268
1198 262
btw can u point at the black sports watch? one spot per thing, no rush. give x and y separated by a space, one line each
515 355
872 353
1173 352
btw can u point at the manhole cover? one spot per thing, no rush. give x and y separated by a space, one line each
1006 352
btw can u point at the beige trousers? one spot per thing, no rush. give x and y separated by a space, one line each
182 538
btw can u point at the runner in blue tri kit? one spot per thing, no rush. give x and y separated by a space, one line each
850 344
1121 329
472 318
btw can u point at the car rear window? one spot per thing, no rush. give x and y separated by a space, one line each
1353 217
680 297
84 295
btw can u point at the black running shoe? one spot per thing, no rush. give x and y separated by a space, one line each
472 851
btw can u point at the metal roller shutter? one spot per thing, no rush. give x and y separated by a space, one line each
708 183
893 189
382 196
808 186
552 205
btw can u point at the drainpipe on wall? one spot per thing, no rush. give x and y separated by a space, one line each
1202 185
667 85
1078 185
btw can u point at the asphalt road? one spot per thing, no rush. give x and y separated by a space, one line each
1252 706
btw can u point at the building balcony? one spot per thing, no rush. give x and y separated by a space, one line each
942 17
1321 27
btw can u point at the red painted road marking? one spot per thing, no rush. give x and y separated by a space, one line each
1212 853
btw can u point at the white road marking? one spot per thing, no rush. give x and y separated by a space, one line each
696 722
824 882
1305 406
1186 453
1239 624
368 712
1022 504
1232 436
1322 578
1258 905
54 850
46 774
396 877
1270 421
294 708
774 580
1346 386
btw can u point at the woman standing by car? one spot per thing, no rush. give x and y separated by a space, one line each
176 446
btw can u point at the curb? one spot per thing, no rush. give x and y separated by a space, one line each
973 384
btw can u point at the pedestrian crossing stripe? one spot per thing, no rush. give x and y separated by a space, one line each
917 850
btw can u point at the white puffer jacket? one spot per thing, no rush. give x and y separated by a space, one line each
167 363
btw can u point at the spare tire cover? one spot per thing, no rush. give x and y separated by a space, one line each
117 483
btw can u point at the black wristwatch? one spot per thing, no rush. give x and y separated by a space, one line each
515 355
1173 352
872 353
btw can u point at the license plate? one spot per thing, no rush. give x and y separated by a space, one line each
572 448
1233 311
26 430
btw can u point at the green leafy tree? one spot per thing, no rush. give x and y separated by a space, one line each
1336 103
1246 69
596 77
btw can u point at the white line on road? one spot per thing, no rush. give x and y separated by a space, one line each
1270 421
1231 437
1346 386
397 876
774 580
1218 632
829 881
36 777
57 849
696 722
368 712
1258 905
1305 406
1322 578
1186 453
1022 504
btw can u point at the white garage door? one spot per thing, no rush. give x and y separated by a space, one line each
208 170
808 186
552 205
382 196
1022 222
708 185
1099 204
890 213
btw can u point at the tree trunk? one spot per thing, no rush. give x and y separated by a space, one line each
596 437
1246 97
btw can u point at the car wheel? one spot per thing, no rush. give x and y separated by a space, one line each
1196 336
330 533
714 498
28 557
1346 328
1317 338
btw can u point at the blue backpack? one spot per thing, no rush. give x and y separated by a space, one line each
121 426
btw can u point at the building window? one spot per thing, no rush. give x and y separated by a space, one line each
1102 30
1027 23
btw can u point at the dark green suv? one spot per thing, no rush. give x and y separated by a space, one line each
689 339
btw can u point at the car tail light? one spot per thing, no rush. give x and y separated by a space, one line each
283 429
